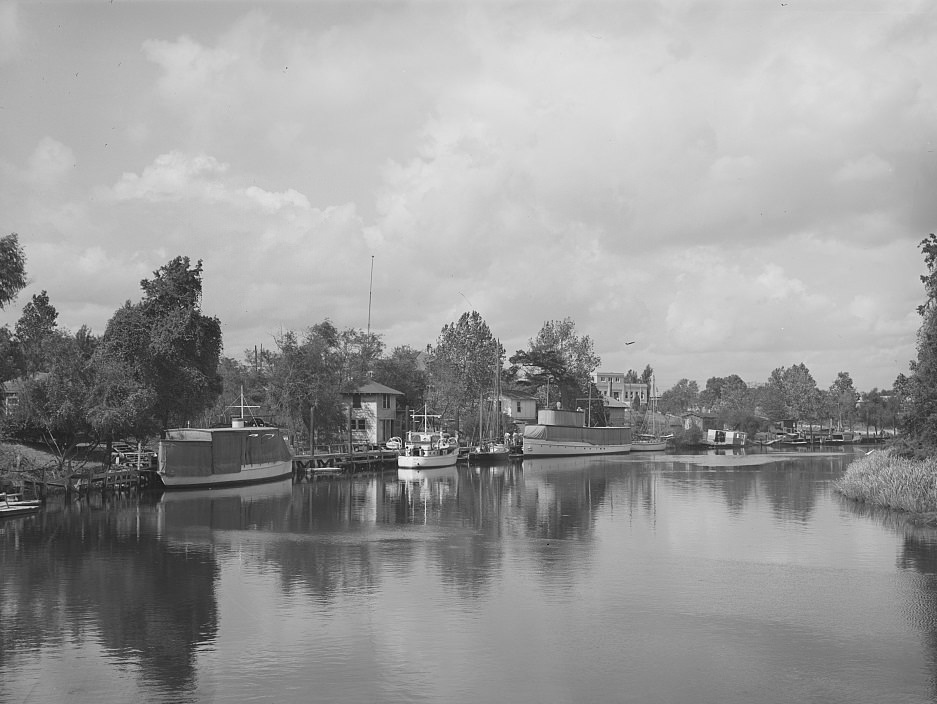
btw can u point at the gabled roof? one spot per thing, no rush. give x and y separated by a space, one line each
520 395
372 387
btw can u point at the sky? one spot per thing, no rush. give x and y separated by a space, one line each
734 186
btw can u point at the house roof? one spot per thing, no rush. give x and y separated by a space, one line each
520 395
372 387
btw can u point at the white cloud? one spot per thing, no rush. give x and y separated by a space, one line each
176 176
49 163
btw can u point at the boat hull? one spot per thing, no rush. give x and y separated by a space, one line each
427 461
247 475
648 445
562 448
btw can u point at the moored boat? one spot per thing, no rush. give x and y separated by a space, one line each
725 438
14 505
650 438
245 453
489 452
561 432
424 449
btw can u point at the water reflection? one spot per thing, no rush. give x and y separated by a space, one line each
597 574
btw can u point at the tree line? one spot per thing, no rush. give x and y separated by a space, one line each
159 364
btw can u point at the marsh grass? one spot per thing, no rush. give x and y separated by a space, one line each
882 478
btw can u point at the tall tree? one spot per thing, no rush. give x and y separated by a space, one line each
921 418
792 393
12 269
167 345
843 397
461 367
723 390
53 404
683 396
401 371
560 357
34 330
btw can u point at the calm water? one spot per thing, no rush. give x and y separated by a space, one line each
637 579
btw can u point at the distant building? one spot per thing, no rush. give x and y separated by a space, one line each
618 413
13 390
612 385
520 407
703 421
372 408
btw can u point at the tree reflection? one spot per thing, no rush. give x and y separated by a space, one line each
149 603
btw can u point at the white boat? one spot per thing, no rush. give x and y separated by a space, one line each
650 437
14 505
560 432
427 449
725 438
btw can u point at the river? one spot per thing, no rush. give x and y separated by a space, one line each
665 578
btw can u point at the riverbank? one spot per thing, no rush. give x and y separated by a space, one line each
882 478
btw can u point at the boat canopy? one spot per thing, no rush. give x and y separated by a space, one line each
415 437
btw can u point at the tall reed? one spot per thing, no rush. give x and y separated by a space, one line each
885 479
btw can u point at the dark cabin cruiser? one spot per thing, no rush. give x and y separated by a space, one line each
249 451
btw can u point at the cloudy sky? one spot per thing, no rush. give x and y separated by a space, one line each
735 185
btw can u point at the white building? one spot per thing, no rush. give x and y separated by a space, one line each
612 385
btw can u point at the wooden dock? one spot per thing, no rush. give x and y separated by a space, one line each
343 459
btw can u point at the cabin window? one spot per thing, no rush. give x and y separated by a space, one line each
356 401
386 401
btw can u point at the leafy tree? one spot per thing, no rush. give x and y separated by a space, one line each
722 391
461 367
647 376
401 371
842 398
305 377
561 357
921 419
792 393
683 396
12 269
33 331
167 347
52 406
10 356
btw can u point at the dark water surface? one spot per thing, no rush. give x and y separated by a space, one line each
631 579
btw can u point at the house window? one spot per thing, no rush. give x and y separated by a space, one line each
386 401
518 406
356 401
359 424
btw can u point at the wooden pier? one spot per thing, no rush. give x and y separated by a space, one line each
343 459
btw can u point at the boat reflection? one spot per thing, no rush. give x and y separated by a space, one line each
434 474
228 508
565 464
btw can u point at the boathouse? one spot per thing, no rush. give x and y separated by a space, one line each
372 412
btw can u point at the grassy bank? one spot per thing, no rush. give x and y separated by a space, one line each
882 478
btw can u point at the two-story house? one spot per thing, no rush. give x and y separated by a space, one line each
372 409
612 385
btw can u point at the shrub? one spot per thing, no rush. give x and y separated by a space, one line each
886 479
